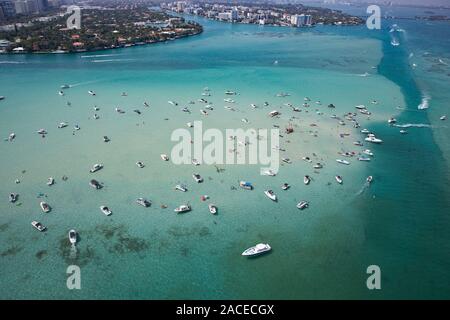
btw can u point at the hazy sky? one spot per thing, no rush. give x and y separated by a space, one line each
419 2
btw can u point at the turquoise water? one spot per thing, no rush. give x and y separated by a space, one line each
400 223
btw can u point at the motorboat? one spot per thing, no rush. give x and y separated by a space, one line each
246 185
197 178
96 108
203 112
143 202
181 188
62 125
92 93
11 136
260 248
230 93
307 159
373 139
61 93
318 166
96 168
146 104
183 208
361 107
338 179
302 205
50 181
140 164
76 127
137 111
95 184
271 195
209 107
164 157
342 161
269 172
212 208
2 98
358 143
245 120
274 113
96 116
392 120
73 236
285 186
195 162
13 197
39 226
228 100
254 106
202 100
185 109
172 103
363 159
106 139
443 118
286 160
124 94
229 108
45 207
365 131
190 125
42 131
369 179
106 210
65 86
118 110
368 152
403 131
306 180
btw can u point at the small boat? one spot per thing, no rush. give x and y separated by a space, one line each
137 111
172 103
95 184
181 188
13 197
342 161
186 110
228 100
65 86
274 113
338 179
61 93
373 139
403 131
73 236
197 178
203 112
11 136
443 118
92 93
146 104
246 185
286 160
143 202
368 152
392 120
124 94
76 127
106 210
365 131
245 120
209 107
269 172
195 162
164 157
45 207
271 195
212 208
285 186
229 92
42 131
96 108
140 164
62 125
369 179
307 159
96 168
50 181
2 98
363 159
118 110
306 180
302 205
39 226
96 116
358 143
318 166
254 106
260 248
106 139
190 125
183 208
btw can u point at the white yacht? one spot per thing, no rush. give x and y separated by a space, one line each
246 185
143 202
197 178
271 195
285 186
363 159
368 152
39 226
373 139
306 180
342 161
443 118
181 188
338 179
302 205
269 172
73 237
45 207
212 208
50 181
183 208
106 210
62 125
96 168
260 248
164 157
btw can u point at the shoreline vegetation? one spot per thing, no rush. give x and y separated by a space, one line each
102 28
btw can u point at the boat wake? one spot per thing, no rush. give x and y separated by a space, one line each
12 62
413 125
101 55
84 83
111 60
424 103
73 251
364 187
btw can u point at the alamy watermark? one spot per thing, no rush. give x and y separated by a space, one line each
74 20
74 279
373 22
262 146
374 280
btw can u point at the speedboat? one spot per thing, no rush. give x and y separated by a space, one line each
363 159
302 205
50 181
274 113
143 202
270 173
62 125
106 139
368 152
183 208
172 103
338 179
73 236
146 104
229 92
39 226
203 112
245 120
164 157
307 159
260 248
212 208
286 160
190 125
65 86
92 93
195 162
228 100
61 93
403 131
197 178
42 131
246 185
95 184
271 195
106 210
181 188
45 207
369 179
13 197
137 111
11 136
185 110
392 120
342 161
96 167
443 118
140 164
365 131
318 166
306 180
76 127
373 139
285 186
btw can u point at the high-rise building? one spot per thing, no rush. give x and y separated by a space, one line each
8 8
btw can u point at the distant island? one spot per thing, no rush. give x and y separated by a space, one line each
101 28
295 15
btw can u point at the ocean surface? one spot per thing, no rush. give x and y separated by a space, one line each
400 222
